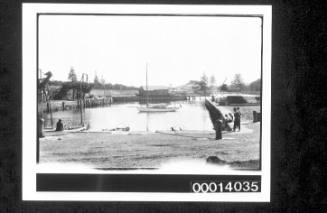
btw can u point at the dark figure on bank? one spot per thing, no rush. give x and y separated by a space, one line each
60 126
40 122
239 115
225 123
218 129
237 119
228 118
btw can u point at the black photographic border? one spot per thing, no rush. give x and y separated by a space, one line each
295 24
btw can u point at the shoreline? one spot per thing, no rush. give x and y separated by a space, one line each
49 131
151 150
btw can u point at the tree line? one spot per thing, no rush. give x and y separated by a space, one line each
204 86
208 86
80 85
97 83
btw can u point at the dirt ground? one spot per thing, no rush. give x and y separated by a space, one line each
138 150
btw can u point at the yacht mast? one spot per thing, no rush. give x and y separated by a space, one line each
146 86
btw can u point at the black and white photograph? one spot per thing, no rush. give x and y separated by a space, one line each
163 106
127 90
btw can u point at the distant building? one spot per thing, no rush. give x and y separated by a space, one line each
114 93
154 93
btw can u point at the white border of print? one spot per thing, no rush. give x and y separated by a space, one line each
29 167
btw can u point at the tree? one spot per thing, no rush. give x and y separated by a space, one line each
255 85
72 75
141 91
102 80
103 83
212 80
73 78
96 80
224 88
237 83
203 83
212 83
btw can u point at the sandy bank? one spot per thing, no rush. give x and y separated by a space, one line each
138 150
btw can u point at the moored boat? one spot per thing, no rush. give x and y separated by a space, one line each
155 107
158 108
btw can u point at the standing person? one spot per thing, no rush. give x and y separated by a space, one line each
239 118
235 119
218 128
40 122
60 126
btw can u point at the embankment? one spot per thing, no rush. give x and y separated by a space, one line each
135 150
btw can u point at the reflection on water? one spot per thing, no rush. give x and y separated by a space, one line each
191 116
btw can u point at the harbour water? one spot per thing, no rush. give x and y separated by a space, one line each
192 115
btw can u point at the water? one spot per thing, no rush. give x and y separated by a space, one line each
191 116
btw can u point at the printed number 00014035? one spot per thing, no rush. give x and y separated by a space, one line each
228 186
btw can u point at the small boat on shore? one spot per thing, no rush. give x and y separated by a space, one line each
70 129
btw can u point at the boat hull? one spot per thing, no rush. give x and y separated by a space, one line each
147 109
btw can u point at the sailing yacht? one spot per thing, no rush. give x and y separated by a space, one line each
155 107
158 108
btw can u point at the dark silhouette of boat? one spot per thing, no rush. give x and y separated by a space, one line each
215 114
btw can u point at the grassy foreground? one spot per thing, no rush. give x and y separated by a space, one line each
135 150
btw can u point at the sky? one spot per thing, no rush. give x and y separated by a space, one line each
176 49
